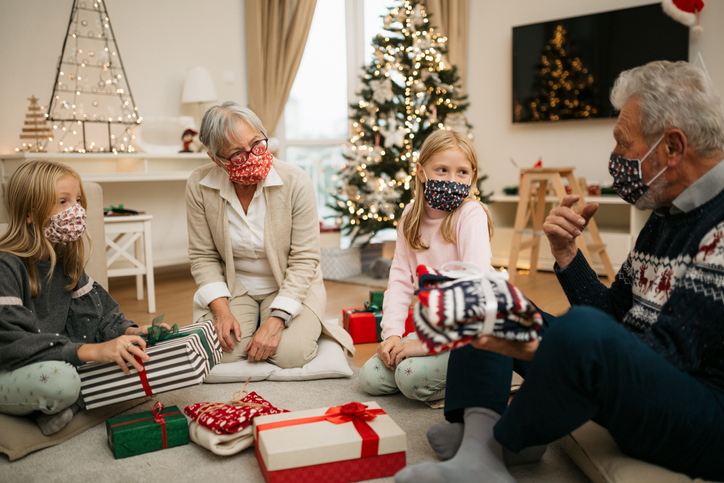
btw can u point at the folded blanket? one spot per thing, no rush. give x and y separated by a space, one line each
225 428
457 306
221 444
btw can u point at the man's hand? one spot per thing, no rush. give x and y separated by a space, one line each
409 348
384 351
266 339
562 226
516 350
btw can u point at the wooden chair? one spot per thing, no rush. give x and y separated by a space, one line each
531 210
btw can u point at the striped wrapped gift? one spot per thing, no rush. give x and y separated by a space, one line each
182 360
213 347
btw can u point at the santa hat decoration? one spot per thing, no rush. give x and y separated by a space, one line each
684 11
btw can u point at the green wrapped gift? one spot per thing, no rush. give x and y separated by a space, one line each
377 297
148 431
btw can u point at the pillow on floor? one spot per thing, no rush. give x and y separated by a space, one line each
20 435
329 363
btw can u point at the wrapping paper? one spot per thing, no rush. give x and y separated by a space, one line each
231 418
147 431
181 360
364 324
353 442
457 306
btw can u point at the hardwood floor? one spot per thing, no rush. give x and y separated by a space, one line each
175 289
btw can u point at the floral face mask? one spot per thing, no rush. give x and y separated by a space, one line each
67 226
445 195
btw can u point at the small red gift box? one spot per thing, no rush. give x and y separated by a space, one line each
353 442
364 324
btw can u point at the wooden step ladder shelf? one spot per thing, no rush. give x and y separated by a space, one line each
531 212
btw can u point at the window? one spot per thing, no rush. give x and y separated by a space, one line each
315 125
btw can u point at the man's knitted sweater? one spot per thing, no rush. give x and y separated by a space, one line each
57 322
670 290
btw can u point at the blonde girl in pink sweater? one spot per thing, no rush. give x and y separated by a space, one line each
444 223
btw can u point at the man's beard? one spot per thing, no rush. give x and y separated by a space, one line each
655 196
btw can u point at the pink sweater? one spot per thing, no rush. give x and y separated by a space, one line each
473 246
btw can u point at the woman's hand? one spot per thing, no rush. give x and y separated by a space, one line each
409 348
517 350
142 330
119 350
385 349
265 340
225 323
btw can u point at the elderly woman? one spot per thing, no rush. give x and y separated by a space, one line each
254 246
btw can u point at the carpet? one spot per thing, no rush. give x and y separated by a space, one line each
87 457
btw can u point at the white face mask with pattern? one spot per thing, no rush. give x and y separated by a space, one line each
66 226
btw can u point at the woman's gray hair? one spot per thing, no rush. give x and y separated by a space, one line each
674 95
220 125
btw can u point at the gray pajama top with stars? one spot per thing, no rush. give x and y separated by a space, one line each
57 322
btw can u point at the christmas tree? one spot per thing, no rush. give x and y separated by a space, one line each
566 87
92 107
36 128
408 92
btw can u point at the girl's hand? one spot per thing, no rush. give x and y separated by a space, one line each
142 330
384 350
119 350
409 348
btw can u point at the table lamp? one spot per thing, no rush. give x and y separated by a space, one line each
198 89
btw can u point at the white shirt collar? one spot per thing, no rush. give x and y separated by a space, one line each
218 179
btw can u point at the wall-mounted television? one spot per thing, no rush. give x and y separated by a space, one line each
564 69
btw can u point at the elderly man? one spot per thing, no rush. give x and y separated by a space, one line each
644 358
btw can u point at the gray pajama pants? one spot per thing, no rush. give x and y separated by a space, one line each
49 386
422 378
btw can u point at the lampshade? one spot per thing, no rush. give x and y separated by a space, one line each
198 86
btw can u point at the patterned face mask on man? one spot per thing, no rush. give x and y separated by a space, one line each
445 195
253 171
628 180
66 226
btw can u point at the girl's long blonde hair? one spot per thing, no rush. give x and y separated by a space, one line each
438 142
32 191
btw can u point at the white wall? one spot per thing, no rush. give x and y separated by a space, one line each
159 40
586 145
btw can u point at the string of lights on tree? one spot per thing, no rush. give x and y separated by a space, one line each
408 92
92 108
566 87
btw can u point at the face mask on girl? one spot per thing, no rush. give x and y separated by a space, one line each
66 226
254 170
445 195
628 180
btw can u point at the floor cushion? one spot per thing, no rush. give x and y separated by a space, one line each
330 362
19 435
593 449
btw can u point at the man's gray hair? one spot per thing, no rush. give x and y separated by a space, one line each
674 95
220 126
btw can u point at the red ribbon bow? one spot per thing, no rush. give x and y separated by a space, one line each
355 412
156 411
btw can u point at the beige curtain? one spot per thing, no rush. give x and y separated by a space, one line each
450 18
276 33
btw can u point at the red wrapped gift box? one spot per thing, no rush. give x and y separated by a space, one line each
364 325
341 444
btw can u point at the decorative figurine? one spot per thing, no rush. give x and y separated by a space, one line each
188 139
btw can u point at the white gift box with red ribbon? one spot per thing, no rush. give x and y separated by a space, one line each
353 442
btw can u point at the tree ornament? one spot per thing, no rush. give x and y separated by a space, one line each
394 136
400 175
381 90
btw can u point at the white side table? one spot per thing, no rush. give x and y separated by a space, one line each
122 233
